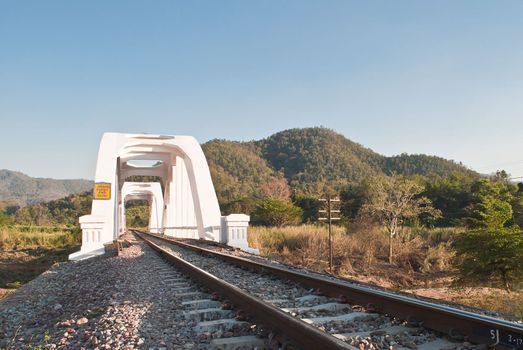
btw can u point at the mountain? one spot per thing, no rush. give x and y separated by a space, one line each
19 189
310 159
313 156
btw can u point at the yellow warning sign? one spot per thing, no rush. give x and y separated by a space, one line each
102 190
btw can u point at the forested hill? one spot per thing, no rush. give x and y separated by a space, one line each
308 159
18 189
237 169
311 157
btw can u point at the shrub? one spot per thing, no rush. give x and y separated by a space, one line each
310 206
491 256
276 212
4 218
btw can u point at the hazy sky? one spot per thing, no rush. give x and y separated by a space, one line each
442 78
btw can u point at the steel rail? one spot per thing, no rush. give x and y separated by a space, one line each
458 324
282 324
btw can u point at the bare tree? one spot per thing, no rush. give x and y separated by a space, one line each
277 189
392 200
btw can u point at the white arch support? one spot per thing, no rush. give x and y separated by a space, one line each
150 191
190 205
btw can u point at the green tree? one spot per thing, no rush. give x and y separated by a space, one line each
493 256
4 218
245 205
517 206
394 199
451 195
491 204
276 212
63 211
353 197
309 206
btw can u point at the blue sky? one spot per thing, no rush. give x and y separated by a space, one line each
440 77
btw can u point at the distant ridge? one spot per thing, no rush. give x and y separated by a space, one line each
19 189
309 159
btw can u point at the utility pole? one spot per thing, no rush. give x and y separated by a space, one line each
331 215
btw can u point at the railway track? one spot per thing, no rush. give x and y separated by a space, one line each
291 309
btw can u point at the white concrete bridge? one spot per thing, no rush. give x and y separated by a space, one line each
183 205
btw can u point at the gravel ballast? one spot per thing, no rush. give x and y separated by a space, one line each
105 302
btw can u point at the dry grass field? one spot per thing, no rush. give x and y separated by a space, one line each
27 251
417 254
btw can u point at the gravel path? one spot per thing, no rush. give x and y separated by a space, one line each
105 303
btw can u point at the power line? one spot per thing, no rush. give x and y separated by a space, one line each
331 215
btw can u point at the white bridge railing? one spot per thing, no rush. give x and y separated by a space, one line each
233 231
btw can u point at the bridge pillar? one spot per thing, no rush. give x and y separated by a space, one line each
234 232
92 239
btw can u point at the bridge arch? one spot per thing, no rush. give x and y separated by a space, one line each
190 203
149 191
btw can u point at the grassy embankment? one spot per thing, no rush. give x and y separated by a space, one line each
27 251
422 262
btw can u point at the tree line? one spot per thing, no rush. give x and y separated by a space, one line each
491 208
